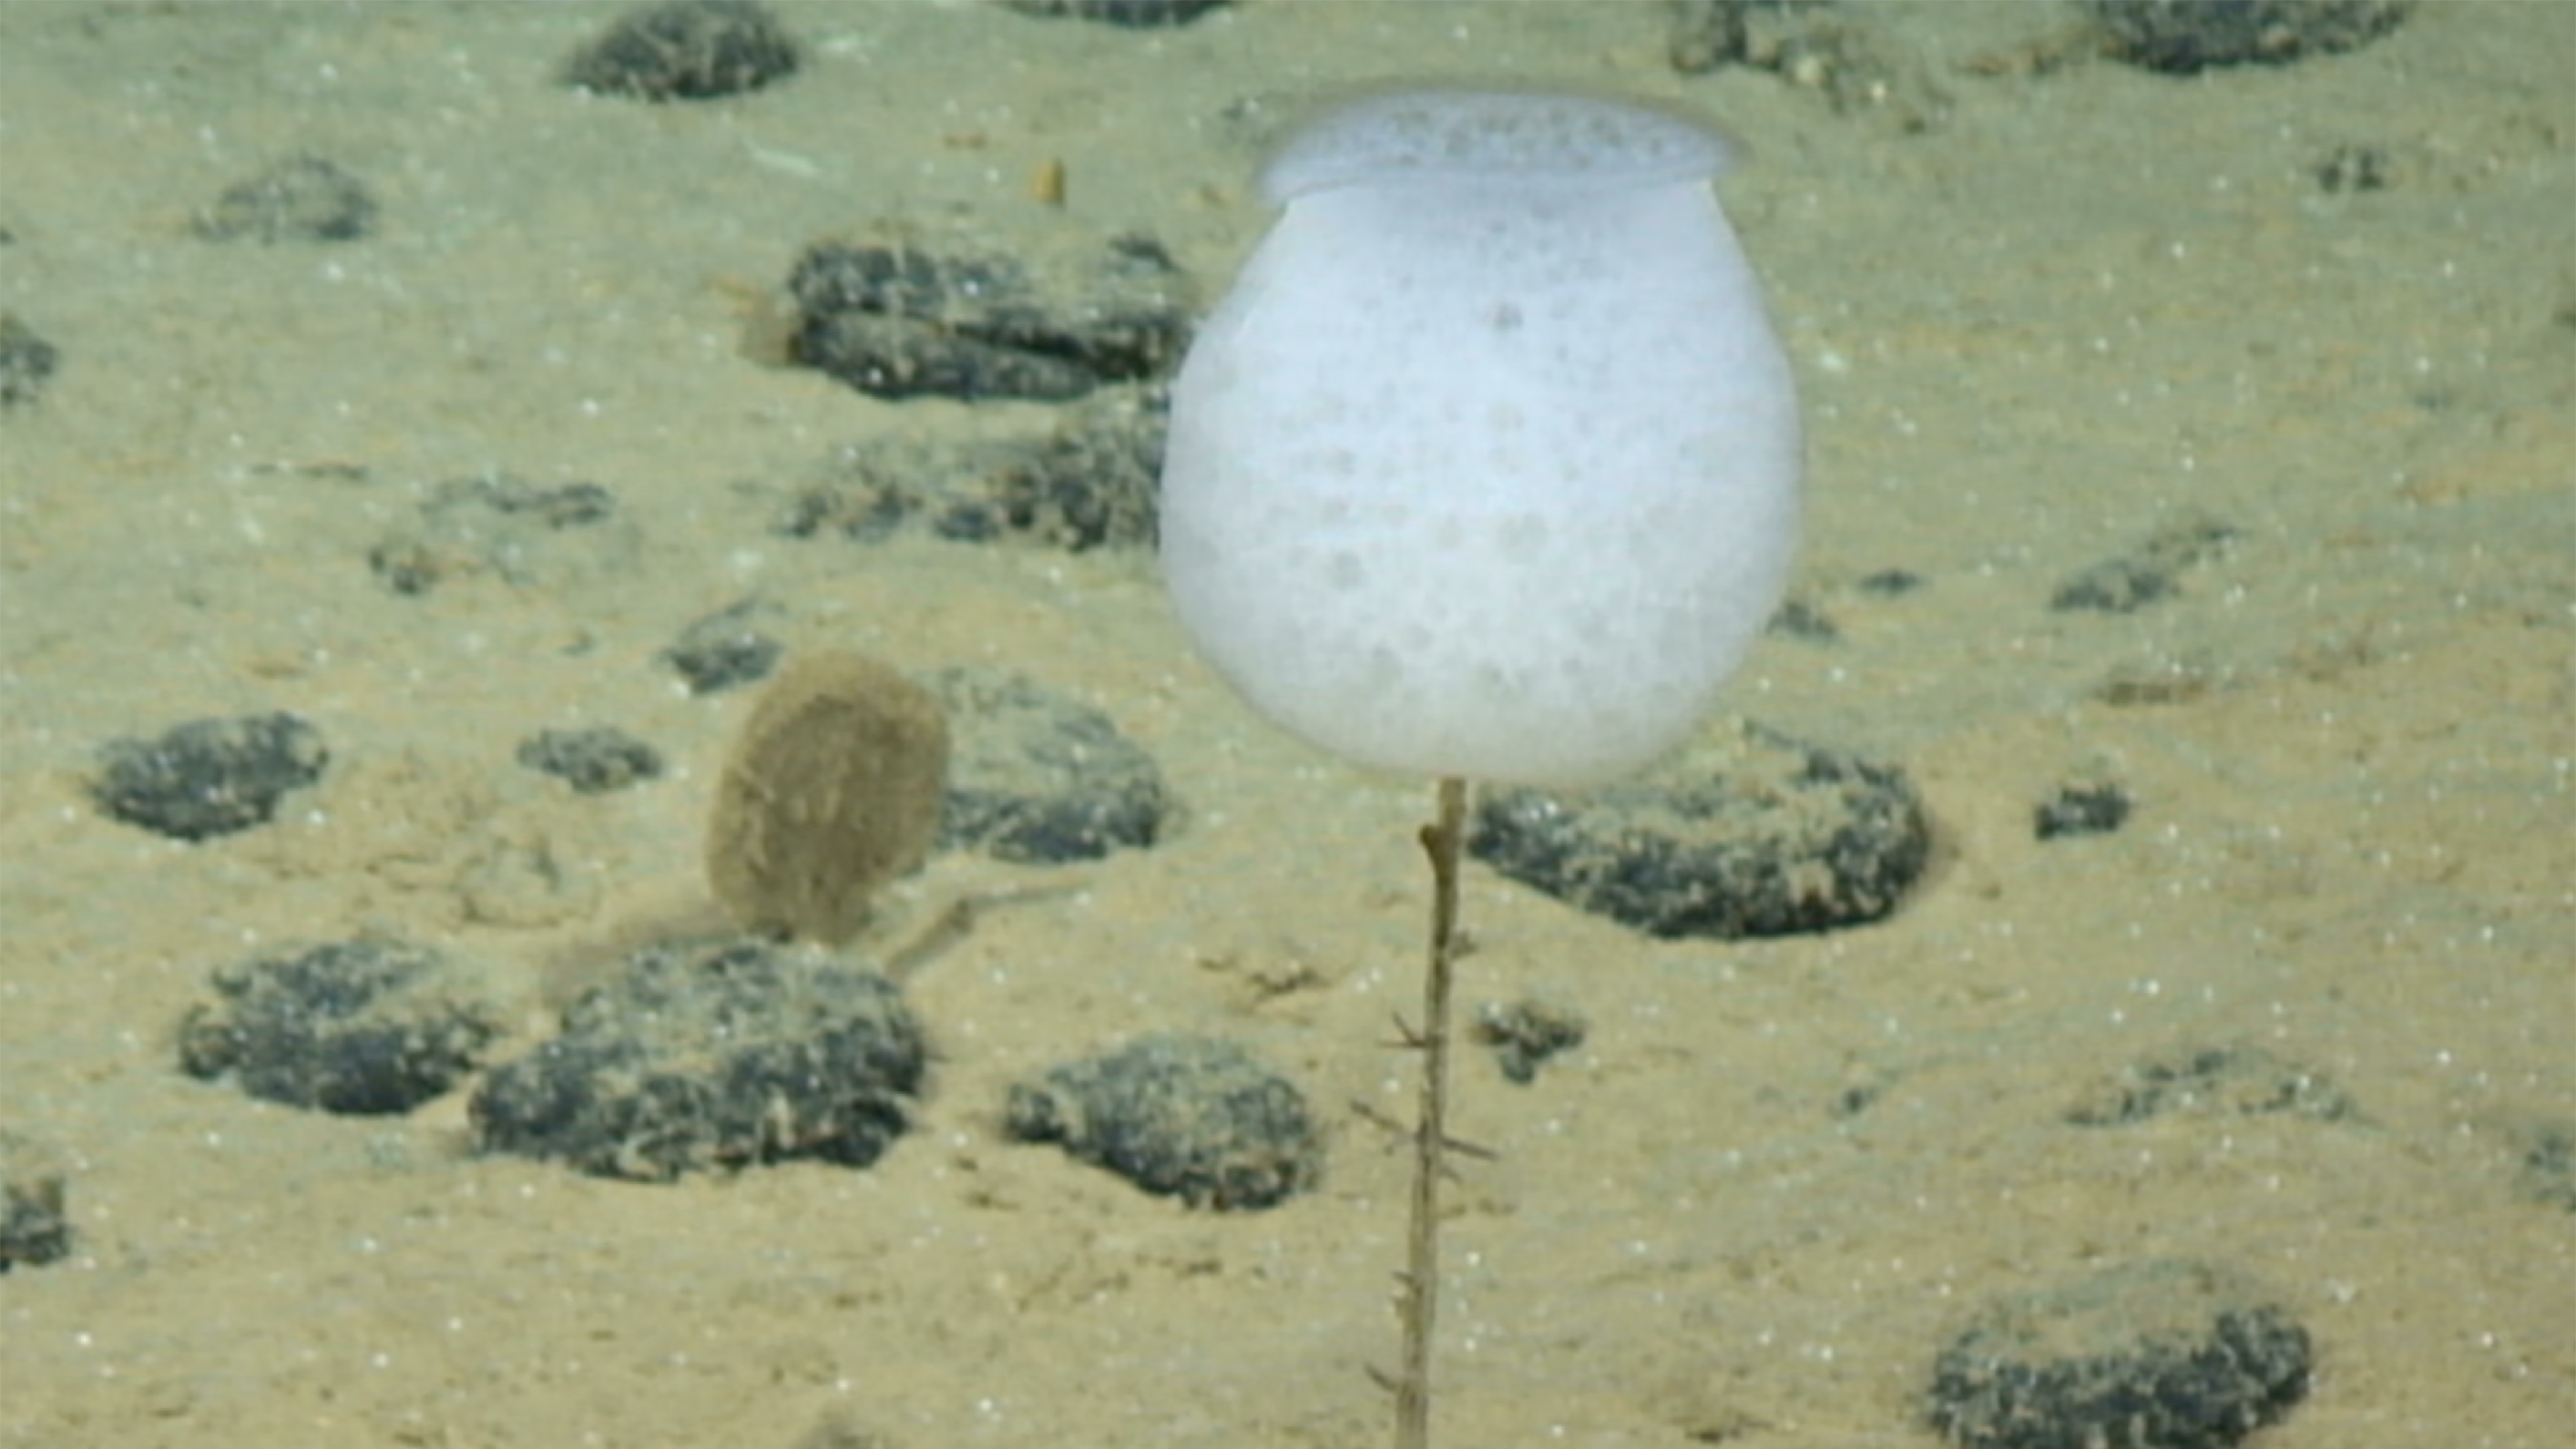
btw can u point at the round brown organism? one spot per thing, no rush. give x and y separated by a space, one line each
834 788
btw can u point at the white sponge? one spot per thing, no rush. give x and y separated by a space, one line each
1488 465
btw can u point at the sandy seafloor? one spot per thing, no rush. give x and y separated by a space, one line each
2068 309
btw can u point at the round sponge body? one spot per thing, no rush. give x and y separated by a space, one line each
1488 464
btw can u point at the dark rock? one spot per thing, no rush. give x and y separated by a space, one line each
2125 584
2114 586
1088 482
34 1229
2227 1081
1093 481
592 761
1748 833
362 1027
304 198
2153 1355
1801 618
2184 37
713 1055
2354 168
1038 779
904 318
1706 34
26 361
689 50
726 649
209 777
2088 808
2548 1166
1186 1117
877 486
1833 50
1524 1034
525 534
1133 14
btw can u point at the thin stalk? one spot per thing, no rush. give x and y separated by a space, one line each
1441 841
